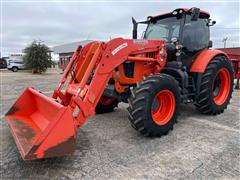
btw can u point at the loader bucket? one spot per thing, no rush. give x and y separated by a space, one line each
40 126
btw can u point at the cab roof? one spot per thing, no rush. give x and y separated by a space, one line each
203 14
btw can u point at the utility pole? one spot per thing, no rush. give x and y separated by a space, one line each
225 41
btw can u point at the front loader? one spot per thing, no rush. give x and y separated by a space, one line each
172 64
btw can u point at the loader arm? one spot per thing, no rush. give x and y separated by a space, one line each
45 127
104 58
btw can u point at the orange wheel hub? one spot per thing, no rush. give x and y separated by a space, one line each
163 107
221 86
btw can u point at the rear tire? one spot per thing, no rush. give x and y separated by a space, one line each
106 105
216 87
14 69
154 105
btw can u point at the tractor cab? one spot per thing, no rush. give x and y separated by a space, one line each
186 32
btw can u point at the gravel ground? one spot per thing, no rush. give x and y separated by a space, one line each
199 147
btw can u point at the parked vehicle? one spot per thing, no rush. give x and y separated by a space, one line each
15 65
3 63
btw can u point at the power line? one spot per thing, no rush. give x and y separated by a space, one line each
226 28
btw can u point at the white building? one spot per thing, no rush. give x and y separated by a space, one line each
66 51
16 56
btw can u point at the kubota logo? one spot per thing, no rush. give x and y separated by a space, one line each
119 48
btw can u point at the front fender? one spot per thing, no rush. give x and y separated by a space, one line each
201 61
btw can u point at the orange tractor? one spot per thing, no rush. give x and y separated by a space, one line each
172 64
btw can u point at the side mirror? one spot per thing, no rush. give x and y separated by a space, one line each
195 14
135 25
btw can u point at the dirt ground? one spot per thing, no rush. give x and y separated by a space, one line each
199 147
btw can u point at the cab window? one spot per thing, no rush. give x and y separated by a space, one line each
195 34
163 29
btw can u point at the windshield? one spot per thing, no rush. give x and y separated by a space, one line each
163 29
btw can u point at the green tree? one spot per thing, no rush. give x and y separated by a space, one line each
37 57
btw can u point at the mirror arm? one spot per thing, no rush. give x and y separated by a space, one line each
211 23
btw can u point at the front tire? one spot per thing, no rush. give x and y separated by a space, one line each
154 105
216 87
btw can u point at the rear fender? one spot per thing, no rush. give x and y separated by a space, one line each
201 61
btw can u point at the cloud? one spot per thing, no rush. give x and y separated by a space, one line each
56 23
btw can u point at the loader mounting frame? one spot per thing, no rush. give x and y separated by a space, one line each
52 122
